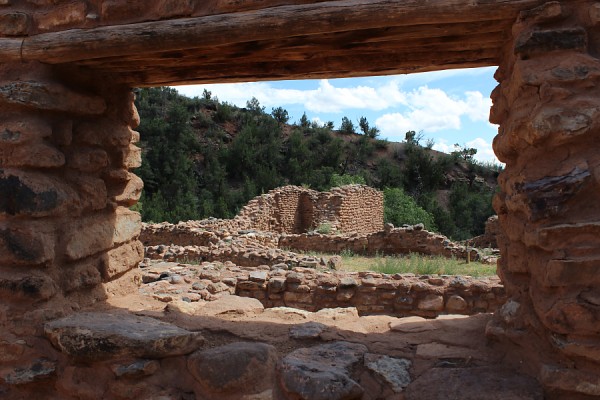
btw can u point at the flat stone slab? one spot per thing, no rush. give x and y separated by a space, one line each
322 372
100 335
308 330
473 384
232 305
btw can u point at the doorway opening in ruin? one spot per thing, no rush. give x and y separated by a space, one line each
70 243
293 221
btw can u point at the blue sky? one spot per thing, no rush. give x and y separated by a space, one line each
447 106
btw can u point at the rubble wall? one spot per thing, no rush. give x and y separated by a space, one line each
393 241
305 288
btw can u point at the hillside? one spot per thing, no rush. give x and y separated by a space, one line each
204 158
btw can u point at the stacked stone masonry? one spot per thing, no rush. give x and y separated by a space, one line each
370 293
66 232
293 209
548 107
185 241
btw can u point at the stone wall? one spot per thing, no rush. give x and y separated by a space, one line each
305 288
294 209
389 241
547 105
67 236
288 209
489 239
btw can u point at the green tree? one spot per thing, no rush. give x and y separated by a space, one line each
400 209
367 130
347 126
281 115
168 145
463 152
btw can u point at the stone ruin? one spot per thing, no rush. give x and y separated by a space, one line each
272 224
69 244
294 209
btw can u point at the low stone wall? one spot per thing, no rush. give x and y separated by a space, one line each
196 233
311 290
246 256
390 241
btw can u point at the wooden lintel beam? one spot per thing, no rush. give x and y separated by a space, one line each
345 66
277 22
471 36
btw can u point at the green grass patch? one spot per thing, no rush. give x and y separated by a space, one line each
413 263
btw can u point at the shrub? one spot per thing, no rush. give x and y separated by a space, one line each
346 179
400 208
324 228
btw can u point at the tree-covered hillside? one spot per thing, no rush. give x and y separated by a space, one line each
204 158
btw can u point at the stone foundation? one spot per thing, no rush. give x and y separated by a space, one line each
392 241
251 248
397 295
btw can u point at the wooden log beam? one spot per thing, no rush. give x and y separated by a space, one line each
330 67
405 51
277 22
382 39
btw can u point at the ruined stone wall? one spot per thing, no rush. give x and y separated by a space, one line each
66 150
547 105
489 239
305 288
294 209
391 241
361 210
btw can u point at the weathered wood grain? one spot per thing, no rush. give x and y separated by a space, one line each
280 22
345 66
285 39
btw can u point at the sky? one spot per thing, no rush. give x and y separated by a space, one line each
449 106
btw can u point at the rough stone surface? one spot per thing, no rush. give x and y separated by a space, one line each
136 370
471 383
322 372
240 368
309 330
97 335
50 97
394 370
39 370
232 305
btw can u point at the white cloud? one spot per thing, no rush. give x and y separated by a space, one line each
325 98
484 149
318 121
433 110
443 146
